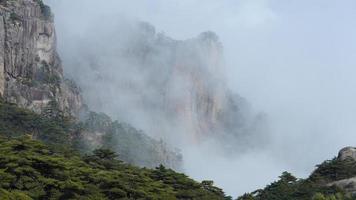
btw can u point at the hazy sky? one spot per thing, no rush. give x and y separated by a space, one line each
295 60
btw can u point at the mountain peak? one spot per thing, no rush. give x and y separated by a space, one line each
347 153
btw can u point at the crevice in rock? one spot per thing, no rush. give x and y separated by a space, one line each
5 39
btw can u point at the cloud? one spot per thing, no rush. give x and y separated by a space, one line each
254 13
294 60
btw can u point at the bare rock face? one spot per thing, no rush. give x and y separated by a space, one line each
172 89
349 185
31 73
196 92
347 153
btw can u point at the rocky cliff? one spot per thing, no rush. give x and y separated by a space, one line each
31 74
172 89
196 91
347 153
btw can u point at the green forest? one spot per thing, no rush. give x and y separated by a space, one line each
40 158
30 169
44 157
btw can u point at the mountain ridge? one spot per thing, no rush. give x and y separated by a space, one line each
178 84
32 77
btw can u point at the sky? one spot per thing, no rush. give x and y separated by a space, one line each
293 60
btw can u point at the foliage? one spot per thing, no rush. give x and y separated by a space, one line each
315 187
133 145
46 10
53 127
14 17
184 187
31 170
47 76
334 170
288 187
13 195
320 196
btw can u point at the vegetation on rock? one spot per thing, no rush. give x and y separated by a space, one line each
56 128
334 170
133 145
46 10
53 127
30 169
316 187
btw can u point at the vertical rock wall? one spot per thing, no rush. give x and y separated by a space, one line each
31 73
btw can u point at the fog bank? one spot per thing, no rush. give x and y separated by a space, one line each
293 60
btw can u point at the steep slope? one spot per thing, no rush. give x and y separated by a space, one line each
95 131
133 145
31 73
31 76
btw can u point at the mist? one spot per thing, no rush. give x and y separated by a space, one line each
293 61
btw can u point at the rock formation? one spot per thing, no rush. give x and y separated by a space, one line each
347 153
172 89
31 76
31 73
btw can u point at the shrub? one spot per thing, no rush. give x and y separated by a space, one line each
46 10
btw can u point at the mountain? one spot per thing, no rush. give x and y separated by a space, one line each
31 71
31 77
331 180
171 89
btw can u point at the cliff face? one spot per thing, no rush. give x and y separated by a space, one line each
196 91
172 89
196 94
31 76
31 73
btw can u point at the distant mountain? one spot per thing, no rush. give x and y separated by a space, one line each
172 89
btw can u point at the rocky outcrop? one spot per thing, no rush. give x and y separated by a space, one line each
348 185
347 153
31 73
